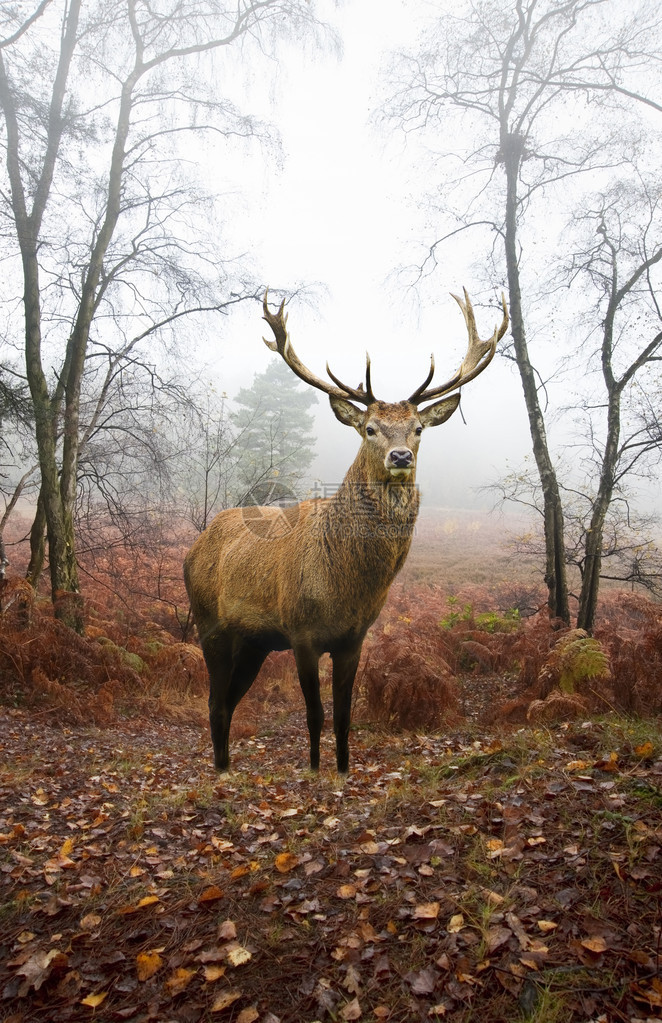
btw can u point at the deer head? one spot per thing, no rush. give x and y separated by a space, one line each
391 432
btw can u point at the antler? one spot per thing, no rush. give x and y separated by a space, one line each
283 345
479 354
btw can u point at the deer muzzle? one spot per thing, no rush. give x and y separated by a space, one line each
399 462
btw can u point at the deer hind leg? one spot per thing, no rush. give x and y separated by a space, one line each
307 661
233 665
345 663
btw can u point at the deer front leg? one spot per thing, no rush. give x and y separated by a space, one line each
307 661
345 663
233 667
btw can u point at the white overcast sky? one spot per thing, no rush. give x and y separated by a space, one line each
341 211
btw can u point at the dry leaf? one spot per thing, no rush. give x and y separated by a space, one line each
455 924
286 861
423 981
426 911
596 944
94 1000
179 980
497 936
211 894
38 968
352 981
226 998
248 1015
227 931
346 891
148 900
147 964
547 925
90 921
352 1010
238 955
240 871
214 972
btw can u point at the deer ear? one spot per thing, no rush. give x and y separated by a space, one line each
347 413
438 413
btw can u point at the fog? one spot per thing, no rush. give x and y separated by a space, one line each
339 215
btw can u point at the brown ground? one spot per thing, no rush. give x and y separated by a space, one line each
498 877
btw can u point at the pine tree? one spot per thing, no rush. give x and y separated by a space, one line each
274 440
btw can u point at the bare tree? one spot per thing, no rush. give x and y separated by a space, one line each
621 261
90 85
519 78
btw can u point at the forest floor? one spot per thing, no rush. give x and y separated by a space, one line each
463 877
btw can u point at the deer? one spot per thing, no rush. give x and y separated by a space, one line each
313 577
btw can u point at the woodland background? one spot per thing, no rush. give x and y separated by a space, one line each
496 851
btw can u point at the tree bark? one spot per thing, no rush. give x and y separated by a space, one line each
555 569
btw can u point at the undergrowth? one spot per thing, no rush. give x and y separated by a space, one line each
421 658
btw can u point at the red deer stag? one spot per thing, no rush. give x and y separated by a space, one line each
314 578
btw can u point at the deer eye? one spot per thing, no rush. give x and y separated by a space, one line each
419 431
370 431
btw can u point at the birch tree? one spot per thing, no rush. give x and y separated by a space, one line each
506 94
94 98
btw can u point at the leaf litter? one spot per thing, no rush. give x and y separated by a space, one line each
448 877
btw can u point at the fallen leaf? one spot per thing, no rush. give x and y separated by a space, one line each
213 972
238 955
422 982
352 981
148 900
94 1000
227 931
455 924
211 894
286 861
596 944
226 998
346 891
240 871
147 964
426 911
547 925
90 921
651 994
248 1015
497 936
352 1010
179 980
38 968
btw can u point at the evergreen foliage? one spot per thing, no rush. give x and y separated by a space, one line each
274 443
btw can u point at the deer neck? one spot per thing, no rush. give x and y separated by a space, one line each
371 518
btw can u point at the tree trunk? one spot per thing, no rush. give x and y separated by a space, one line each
555 570
37 545
588 597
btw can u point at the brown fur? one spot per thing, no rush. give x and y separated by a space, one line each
313 578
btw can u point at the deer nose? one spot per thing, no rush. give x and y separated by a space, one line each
400 458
